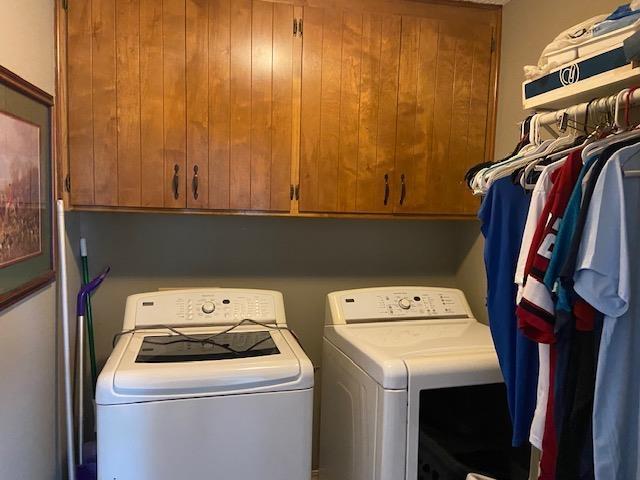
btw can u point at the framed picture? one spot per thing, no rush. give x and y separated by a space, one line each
26 189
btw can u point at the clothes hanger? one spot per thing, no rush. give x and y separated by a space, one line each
621 124
507 168
559 143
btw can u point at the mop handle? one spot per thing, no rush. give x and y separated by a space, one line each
87 289
84 262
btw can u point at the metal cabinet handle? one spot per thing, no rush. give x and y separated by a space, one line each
194 182
386 188
403 191
176 181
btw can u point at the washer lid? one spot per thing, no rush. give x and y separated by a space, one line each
384 350
132 374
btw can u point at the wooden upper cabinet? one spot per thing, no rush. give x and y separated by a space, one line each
180 103
348 110
377 107
396 105
443 113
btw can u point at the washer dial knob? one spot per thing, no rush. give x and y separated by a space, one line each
208 307
404 303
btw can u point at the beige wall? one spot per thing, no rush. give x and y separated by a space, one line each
28 399
527 27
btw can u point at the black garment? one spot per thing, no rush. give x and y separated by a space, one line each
521 144
575 436
577 358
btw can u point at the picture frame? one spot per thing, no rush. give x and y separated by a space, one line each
27 189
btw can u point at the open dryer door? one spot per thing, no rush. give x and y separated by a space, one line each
458 419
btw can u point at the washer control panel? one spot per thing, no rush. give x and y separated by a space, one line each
379 304
205 306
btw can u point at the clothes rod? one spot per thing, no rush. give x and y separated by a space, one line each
615 104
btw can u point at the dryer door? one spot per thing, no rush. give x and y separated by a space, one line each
451 388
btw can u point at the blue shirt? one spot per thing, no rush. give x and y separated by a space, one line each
621 17
608 277
503 215
563 242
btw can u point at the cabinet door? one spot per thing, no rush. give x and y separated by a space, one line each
180 103
348 110
443 113
126 90
250 105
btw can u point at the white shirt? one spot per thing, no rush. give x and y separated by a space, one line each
538 201
608 278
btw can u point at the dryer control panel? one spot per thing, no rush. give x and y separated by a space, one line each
402 303
204 306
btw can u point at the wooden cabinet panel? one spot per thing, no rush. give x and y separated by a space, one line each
152 184
174 104
282 108
197 44
104 87
349 95
128 102
240 73
80 126
442 116
188 103
219 103
251 76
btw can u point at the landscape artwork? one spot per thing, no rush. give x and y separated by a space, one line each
20 202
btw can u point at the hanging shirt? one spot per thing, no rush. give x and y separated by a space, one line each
578 344
503 214
609 279
571 435
536 311
538 200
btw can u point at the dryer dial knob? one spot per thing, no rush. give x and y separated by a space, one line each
208 307
404 303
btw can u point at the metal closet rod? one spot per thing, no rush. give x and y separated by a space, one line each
614 104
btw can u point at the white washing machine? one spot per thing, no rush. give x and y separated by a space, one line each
237 406
410 386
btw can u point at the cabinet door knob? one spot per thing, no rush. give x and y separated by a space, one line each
194 182
176 181
403 189
386 188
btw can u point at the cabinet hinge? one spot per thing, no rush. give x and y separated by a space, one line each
291 191
67 183
295 27
297 192
65 4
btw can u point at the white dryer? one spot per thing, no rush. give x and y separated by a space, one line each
233 406
411 389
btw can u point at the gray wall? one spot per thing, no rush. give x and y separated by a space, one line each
28 353
304 258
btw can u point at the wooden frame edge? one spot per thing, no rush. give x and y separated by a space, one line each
17 294
14 81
